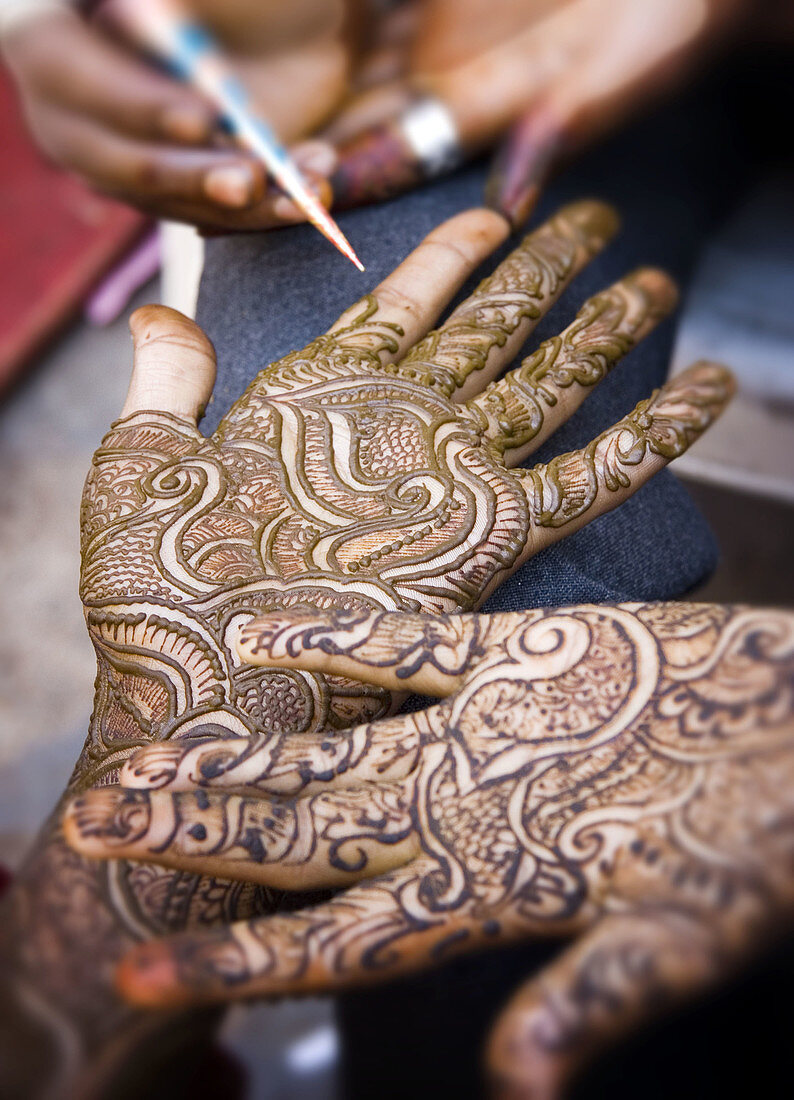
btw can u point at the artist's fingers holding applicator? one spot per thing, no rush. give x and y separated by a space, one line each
619 59
569 72
98 110
136 133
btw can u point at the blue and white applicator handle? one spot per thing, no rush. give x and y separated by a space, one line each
168 30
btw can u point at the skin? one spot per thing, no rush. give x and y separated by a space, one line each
591 58
623 775
373 470
96 108
572 71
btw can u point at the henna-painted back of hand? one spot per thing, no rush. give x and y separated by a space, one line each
372 470
624 775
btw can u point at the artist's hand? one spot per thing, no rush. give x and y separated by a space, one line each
587 62
577 69
624 775
99 110
346 477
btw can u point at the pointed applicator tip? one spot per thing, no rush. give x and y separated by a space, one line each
345 247
334 234
348 251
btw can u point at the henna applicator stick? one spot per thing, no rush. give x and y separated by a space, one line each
167 30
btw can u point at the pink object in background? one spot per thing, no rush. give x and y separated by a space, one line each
57 238
110 298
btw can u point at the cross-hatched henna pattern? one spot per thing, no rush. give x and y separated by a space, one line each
623 774
373 470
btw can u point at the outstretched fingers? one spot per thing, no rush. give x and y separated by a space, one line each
607 984
521 410
391 649
404 306
573 489
324 840
487 330
369 933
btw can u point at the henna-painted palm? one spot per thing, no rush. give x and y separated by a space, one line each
346 477
626 773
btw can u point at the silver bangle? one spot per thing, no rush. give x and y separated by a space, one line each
429 129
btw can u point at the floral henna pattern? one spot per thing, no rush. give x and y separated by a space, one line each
339 480
345 478
630 763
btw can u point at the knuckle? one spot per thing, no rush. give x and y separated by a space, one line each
392 295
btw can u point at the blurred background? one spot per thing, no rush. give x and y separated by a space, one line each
83 242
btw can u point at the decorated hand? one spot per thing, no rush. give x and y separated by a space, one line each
624 775
370 471
347 476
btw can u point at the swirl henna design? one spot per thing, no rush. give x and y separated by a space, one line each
623 774
359 474
346 478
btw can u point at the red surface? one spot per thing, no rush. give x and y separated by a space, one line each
57 239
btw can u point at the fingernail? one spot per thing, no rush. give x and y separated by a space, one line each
105 817
185 123
317 158
151 767
658 286
147 976
289 211
595 219
231 186
520 169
